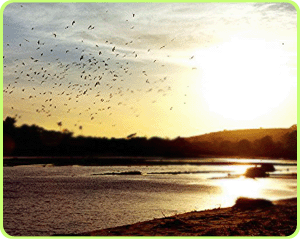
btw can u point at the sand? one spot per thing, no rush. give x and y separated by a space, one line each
277 220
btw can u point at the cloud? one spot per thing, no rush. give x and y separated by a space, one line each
154 44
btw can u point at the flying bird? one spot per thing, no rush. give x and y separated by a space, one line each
131 135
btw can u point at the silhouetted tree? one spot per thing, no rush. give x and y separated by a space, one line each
244 147
266 147
9 133
59 124
9 125
226 147
36 141
290 143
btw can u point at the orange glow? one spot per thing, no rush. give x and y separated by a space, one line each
242 78
239 187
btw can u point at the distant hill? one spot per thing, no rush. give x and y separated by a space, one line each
238 135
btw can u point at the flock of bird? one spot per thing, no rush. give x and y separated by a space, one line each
91 81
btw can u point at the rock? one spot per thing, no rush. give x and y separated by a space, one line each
255 172
268 167
251 203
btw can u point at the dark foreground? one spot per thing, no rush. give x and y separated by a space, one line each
277 220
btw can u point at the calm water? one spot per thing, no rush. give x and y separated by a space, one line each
72 199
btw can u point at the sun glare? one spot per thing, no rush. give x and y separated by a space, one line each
245 78
240 187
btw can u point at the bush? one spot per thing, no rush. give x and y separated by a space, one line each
252 203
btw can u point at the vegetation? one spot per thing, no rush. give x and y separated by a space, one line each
251 203
36 141
250 134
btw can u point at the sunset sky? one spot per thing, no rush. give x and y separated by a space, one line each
155 69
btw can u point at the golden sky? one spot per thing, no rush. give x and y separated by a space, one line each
155 69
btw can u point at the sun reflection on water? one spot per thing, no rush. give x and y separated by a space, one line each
238 169
239 187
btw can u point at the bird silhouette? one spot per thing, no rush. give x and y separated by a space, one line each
92 74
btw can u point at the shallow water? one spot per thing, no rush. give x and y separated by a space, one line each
72 199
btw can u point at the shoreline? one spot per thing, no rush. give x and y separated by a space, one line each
132 160
277 220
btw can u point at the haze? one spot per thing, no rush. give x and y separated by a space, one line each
155 69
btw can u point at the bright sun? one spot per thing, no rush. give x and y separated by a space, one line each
244 78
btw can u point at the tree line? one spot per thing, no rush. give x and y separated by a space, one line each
35 141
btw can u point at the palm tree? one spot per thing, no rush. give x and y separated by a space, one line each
59 124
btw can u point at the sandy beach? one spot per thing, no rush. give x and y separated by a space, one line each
277 220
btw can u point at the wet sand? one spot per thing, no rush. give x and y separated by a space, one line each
277 220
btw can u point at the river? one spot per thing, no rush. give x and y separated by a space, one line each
42 200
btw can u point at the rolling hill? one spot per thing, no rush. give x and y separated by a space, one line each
238 135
